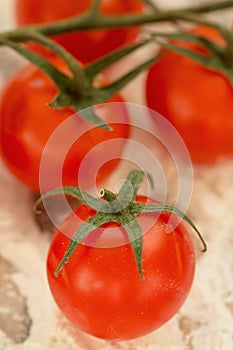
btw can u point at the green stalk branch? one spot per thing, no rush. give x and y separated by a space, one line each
120 83
151 5
95 20
215 6
225 32
99 65
95 8
60 79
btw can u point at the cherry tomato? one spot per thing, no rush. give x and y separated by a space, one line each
27 122
85 45
99 289
195 99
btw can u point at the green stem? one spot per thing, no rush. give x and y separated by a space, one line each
95 8
108 195
115 203
215 6
61 80
151 5
77 83
95 20
227 56
102 63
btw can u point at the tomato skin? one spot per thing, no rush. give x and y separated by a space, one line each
27 122
99 289
86 45
196 100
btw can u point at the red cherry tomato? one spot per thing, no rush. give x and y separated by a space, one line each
86 45
99 288
195 99
27 123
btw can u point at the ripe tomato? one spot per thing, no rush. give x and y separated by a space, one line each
99 288
195 99
85 45
27 122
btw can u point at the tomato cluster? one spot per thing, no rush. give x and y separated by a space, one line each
99 289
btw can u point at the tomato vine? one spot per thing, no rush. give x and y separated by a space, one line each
95 20
77 90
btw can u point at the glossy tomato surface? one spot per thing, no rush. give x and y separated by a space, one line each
89 45
99 288
27 123
196 100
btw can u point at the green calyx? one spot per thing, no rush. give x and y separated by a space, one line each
77 90
120 208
